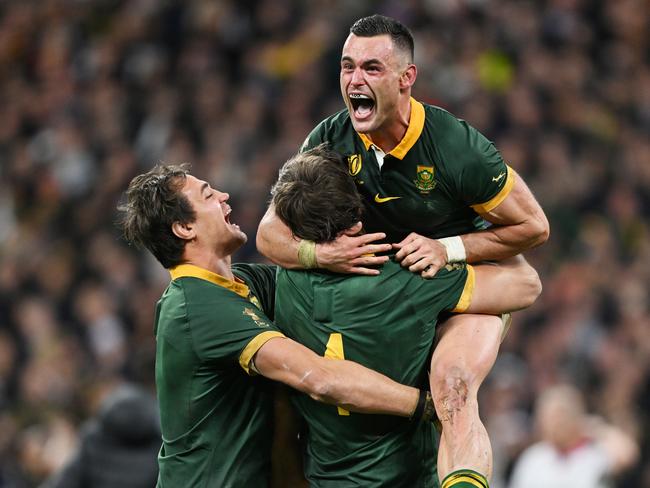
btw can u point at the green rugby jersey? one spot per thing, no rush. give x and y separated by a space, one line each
440 174
386 323
215 419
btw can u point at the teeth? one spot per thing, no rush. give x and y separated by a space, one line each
359 96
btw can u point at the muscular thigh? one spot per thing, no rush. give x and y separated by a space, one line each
469 343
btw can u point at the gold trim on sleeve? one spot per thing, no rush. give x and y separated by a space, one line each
253 346
466 296
483 208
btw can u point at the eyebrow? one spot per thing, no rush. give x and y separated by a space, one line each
204 186
365 62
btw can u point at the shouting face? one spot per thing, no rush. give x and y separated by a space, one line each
375 78
212 227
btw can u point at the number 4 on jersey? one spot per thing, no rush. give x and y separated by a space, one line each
334 350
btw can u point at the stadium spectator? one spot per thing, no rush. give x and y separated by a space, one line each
574 450
118 448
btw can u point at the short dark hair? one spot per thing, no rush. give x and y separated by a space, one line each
315 196
377 25
153 203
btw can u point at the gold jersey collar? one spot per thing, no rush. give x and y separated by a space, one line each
190 270
416 125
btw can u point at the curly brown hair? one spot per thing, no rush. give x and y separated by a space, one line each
153 203
315 196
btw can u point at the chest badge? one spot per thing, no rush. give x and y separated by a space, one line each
354 164
424 178
251 313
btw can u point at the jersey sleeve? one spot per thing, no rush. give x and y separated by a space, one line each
481 177
315 137
450 290
228 328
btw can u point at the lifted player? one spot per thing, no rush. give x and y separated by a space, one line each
429 183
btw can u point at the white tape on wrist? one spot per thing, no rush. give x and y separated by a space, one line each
455 249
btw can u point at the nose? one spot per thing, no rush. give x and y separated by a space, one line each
223 196
357 77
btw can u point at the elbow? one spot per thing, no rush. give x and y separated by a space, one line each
531 286
320 384
540 231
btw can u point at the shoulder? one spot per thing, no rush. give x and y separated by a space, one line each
441 119
331 130
194 300
249 272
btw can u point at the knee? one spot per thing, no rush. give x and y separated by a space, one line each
451 390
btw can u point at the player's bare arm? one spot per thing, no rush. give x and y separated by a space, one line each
339 382
519 224
351 252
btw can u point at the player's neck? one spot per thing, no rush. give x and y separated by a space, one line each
210 261
391 134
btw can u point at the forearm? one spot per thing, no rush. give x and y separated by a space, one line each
519 225
334 381
501 242
350 252
360 389
276 242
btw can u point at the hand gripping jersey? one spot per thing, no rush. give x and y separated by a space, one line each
386 323
434 182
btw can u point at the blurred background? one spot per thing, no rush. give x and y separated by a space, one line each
95 92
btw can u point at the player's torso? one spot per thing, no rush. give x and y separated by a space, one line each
361 319
413 194
212 413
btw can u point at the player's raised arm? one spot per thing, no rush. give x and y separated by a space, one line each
350 252
340 382
519 224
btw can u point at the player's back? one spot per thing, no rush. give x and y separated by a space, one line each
386 323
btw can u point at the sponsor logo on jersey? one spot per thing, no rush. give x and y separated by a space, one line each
354 164
424 178
256 318
379 199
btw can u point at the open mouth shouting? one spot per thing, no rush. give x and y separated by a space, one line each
362 105
226 215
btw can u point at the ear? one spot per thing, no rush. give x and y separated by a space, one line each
183 231
408 77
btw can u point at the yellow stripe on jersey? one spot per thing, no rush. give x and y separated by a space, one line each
334 350
468 291
486 207
253 346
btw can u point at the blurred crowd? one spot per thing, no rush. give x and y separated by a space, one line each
94 92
